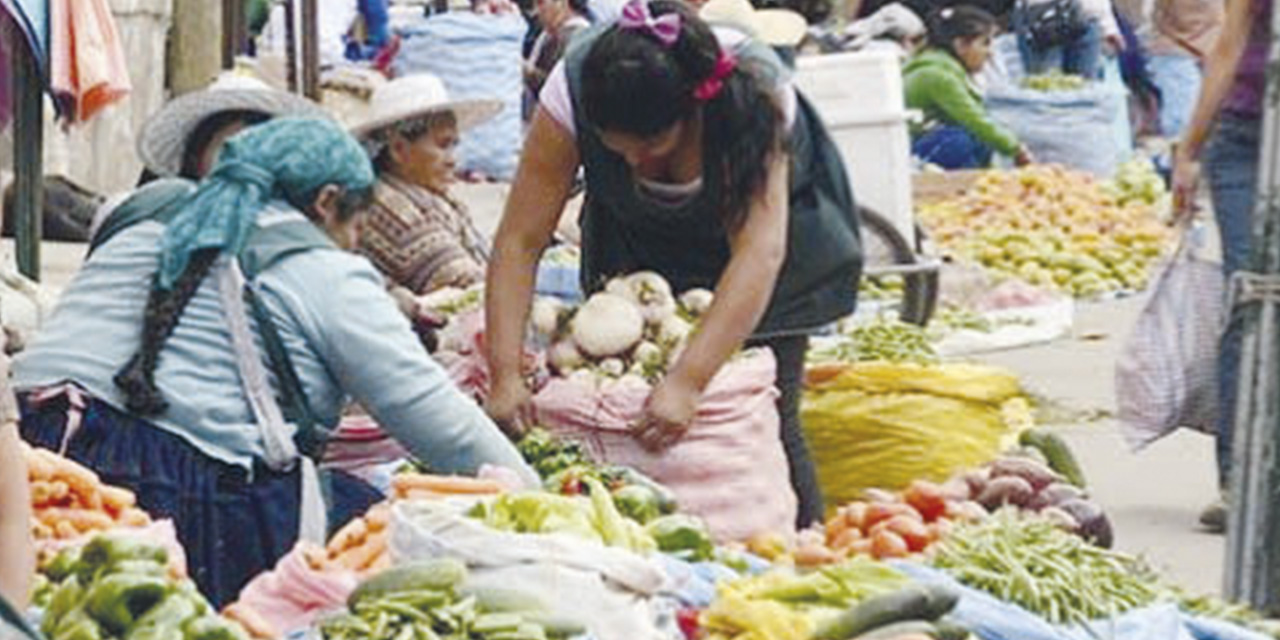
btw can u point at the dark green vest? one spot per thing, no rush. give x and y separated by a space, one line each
625 231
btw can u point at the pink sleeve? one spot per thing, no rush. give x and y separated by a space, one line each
556 100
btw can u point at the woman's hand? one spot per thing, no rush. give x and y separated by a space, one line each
668 414
1186 186
509 406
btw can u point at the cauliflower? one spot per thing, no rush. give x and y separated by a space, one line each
697 301
545 316
673 330
612 367
564 357
607 326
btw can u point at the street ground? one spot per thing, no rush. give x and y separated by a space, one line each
1153 498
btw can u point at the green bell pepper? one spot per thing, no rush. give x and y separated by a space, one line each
116 601
213 628
164 620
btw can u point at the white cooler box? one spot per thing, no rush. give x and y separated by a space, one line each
859 96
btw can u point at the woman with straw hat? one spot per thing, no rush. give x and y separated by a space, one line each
208 345
415 232
183 138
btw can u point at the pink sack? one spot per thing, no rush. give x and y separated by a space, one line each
293 595
730 469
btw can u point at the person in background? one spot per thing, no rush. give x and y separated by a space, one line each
704 164
1176 35
152 373
415 232
957 132
560 21
184 137
17 553
1226 132
1088 31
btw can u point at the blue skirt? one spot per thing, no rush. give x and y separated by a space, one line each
232 525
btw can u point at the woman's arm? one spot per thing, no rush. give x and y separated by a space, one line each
538 195
1219 75
17 554
952 97
742 295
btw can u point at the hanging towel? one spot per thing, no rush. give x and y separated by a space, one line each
87 68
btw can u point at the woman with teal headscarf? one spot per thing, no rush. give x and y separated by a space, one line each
214 335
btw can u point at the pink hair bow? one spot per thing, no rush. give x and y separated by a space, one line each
637 17
708 89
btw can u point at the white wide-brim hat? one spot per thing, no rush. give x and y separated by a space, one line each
775 27
416 96
163 139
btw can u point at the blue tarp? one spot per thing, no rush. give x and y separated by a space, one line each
992 619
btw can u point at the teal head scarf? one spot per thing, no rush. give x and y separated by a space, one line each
286 158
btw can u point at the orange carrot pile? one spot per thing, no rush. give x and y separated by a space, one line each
70 500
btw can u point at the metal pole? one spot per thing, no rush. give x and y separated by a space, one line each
310 50
28 153
1253 529
291 46
235 32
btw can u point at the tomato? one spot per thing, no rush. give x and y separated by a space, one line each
815 556
887 544
845 539
860 547
855 513
912 531
942 528
927 498
690 623
836 527
879 512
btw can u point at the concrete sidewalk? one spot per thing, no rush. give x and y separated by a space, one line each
1154 497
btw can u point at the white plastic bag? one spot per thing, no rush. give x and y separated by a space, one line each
1167 374
609 591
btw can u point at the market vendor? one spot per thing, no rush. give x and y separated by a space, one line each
152 373
183 138
705 165
416 232
957 132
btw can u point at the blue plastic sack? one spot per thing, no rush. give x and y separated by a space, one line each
992 619
477 57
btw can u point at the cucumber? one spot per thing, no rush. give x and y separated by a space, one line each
430 575
556 626
1056 452
898 629
949 629
916 602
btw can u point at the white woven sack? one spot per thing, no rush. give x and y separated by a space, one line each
1167 374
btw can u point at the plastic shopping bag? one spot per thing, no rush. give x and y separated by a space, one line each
610 591
883 424
1167 374
729 469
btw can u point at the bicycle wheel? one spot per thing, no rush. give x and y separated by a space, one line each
883 248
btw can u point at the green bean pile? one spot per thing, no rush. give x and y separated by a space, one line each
1034 564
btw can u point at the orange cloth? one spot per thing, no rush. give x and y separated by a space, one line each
86 65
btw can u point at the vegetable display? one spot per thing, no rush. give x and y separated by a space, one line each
117 587
1053 228
70 500
594 518
637 326
1032 562
428 600
882 339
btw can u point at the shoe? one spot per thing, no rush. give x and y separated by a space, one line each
1214 517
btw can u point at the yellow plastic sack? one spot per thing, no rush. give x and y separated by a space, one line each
883 425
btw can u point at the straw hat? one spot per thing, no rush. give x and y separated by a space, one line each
415 96
775 27
163 139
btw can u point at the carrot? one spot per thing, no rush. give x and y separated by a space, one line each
357 558
380 564
450 485
91 501
65 531
45 493
117 499
38 467
348 536
134 517
379 516
251 620
81 519
423 494
42 531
